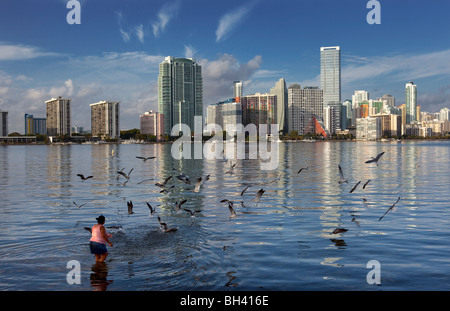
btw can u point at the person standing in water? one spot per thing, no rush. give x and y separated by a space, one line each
98 241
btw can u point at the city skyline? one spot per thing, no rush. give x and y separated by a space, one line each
115 52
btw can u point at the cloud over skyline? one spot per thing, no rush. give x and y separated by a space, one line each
231 20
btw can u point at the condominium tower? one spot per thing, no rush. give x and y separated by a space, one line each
180 92
105 119
330 82
58 116
305 106
411 102
237 88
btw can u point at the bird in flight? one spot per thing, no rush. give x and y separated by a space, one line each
145 158
84 178
130 207
232 211
231 170
124 174
303 168
342 180
79 206
152 209
191 212
376 159
339 230
245 189
184 178
198 185
259 195
355 186
390 209
178 204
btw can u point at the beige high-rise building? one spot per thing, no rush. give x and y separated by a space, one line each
152 123
58 116
105 119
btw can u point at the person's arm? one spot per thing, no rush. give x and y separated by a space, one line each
105 235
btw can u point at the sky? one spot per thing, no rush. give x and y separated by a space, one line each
115 51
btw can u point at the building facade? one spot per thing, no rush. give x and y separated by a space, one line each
281 91
3 123
180 92
238 88
58 116
35 126
304 106
368 128
259 109
411 102
105 119
152 123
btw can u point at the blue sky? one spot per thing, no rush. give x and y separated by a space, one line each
114 53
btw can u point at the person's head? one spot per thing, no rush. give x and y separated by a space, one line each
100 219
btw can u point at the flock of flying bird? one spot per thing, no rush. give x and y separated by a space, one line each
165 188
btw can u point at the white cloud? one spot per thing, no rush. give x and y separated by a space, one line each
231 20
167 12
20 52
140 33
189 51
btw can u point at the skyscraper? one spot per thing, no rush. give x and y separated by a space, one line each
58 116
180 92
237 88
330 82
281 91
3 123
411 102
105 119
304 106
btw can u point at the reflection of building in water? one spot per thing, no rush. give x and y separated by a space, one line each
104 165
59 170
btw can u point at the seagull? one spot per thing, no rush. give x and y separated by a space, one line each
191 212
259 195
343 180
84 178
198 185
230 171
125 175
339 230
144 180
79 206
303 168
164 183
130 207
355 186
364 187
145 158
184 178
88 229
164 226
152 210
178 205
390 208
232 202
230 207
375 159
245 189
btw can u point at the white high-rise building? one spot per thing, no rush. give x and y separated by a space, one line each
358 97
411 102
444 114
237 88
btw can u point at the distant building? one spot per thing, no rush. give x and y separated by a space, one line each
330 83
58 116
35 126
304 107
391 125
281 91
180 92
347 115
368 128
444 114
105 119
390 100
259 109
223 115
359 96
3 123
152 123
237 89
411 102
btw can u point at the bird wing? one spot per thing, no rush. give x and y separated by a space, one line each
367 182
390 208
340 172
379 156
245 189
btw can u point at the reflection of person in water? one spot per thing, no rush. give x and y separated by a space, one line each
99 276
99 239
